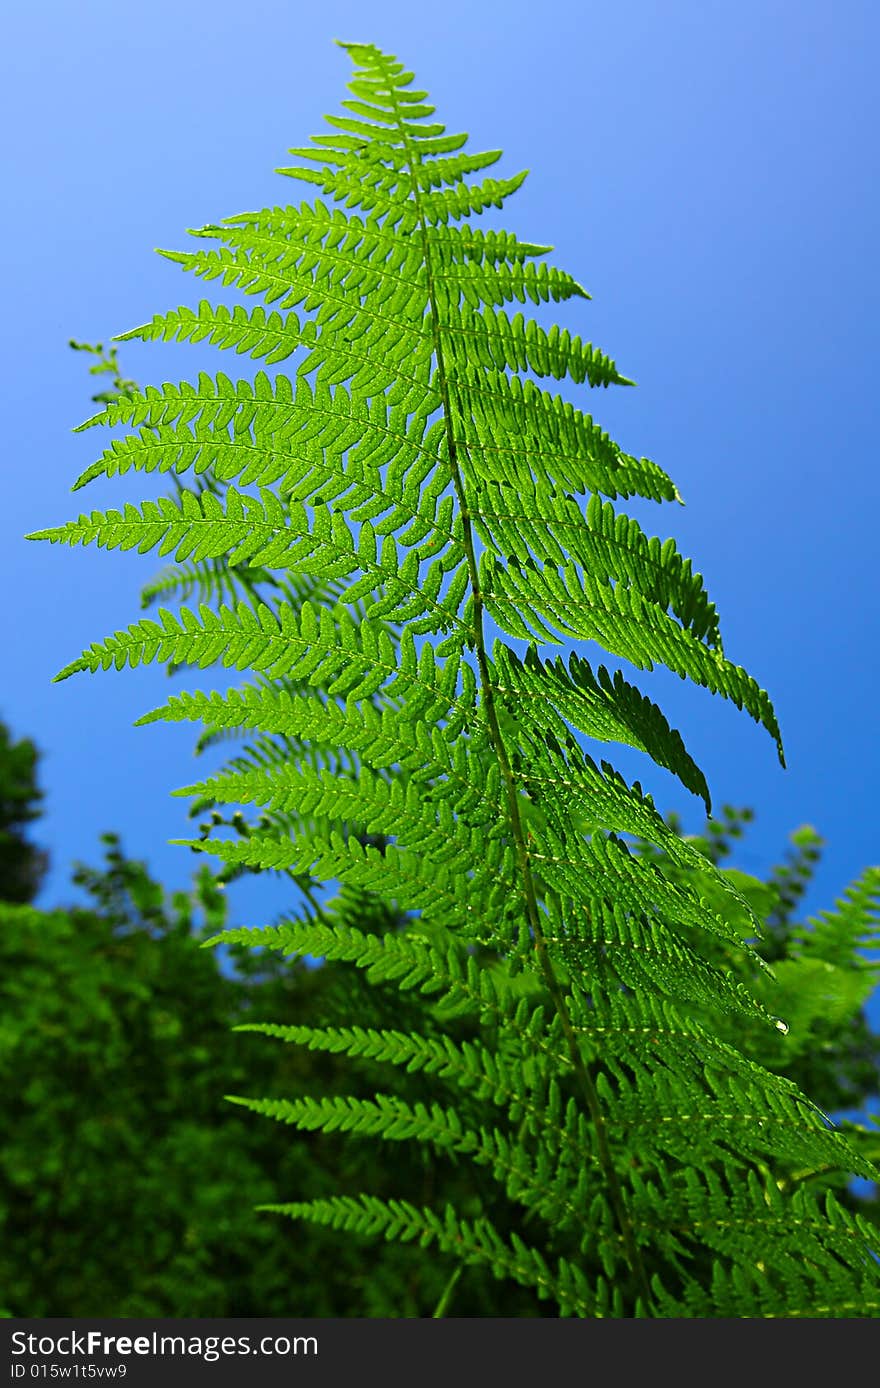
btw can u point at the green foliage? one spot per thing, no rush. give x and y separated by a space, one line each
111 1180
127 1186
570 979
21 864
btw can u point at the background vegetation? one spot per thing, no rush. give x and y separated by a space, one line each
127 1184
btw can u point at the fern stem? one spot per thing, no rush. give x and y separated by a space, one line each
533 916
446 1295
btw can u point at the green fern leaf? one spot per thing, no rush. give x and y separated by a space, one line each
566 960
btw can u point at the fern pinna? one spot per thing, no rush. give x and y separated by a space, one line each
406 495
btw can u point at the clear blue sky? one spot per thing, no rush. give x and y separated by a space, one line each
707 170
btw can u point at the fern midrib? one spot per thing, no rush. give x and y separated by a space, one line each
522 853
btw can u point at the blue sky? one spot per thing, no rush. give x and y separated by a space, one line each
707 170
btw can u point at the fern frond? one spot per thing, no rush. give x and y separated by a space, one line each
839 936
256 333
548 697
475 1242
320 647
549 603
572 969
